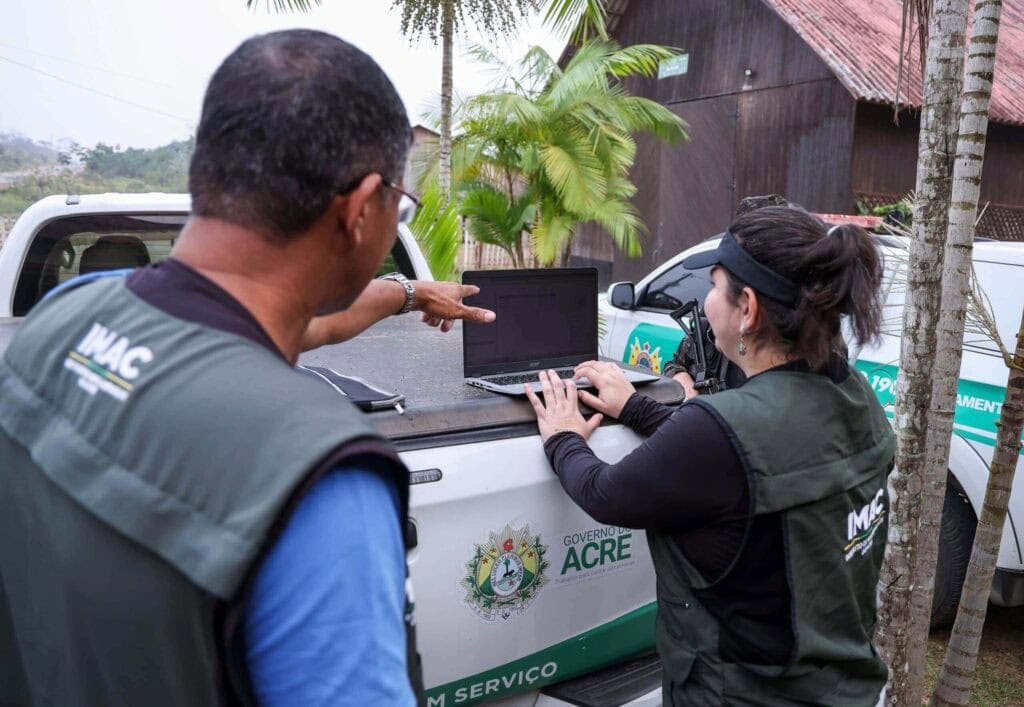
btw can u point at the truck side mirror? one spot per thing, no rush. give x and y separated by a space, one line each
622 295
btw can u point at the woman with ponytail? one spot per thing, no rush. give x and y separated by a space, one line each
765 505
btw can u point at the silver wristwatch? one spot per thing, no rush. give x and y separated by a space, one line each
410 290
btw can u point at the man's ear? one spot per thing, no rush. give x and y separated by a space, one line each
352 207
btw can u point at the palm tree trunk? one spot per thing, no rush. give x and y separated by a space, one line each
444 168
956 290
901 639
955 678
954 685
563 259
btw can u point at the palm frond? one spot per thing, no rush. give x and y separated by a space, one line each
483 54
614 148
583 74
552 233
622 222
644 115
537 69
508 107
493 219
436 227
621 188
637 60
467 160
284 5
581 18
503 75
574 172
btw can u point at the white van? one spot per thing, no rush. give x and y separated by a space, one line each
637 329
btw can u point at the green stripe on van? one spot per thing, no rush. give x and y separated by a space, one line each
978 405
629 635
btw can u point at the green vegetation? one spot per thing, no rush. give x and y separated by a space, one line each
999 676
20 153
436 227
552 147
37 170
165 167
898 212
580 19
441 19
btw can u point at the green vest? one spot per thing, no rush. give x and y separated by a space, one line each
148 463
817 453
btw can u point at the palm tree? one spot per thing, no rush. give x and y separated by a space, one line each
954 682
439 18
918 481
443 18
496 218
561 141
956 678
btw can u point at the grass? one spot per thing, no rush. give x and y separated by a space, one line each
999 676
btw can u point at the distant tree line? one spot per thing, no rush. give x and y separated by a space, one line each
19 153
164 167
36 170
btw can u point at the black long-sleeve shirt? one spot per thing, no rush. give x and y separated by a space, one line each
685 478
688 479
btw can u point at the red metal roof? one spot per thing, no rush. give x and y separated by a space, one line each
859 40
868 222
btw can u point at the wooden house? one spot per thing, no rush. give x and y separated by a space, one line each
792 97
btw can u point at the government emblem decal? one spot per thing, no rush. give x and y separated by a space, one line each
643 357
505 574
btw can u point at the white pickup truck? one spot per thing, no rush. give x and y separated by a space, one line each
577 624
638 330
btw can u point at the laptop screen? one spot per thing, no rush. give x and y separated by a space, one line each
545 319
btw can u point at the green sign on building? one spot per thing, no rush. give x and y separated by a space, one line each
676 66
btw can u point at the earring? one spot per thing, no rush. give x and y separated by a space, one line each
741 347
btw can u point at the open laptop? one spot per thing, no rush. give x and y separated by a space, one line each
547 319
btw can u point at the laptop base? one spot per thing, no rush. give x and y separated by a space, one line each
634 377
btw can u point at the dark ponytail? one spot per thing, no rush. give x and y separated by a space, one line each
838 270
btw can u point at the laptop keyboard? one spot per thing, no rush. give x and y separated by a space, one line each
563 373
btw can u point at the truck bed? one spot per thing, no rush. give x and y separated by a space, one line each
402 355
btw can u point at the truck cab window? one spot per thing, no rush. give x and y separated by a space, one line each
675 287
78 245
69 247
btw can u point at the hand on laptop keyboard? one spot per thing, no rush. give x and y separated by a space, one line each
613 390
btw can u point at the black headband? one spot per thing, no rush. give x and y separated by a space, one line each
730 255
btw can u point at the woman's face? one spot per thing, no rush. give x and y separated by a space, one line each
724 317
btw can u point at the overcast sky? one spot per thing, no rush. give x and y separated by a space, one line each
152 59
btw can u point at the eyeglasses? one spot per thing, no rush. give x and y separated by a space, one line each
406 214
386 182
412 197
